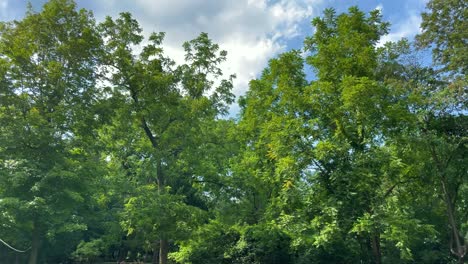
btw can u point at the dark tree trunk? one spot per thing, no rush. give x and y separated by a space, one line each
34 246
376 249
460 249
460 246
155 253
163 243
163 251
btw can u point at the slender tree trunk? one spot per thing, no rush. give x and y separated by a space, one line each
460 249
163 251
375 240
34 246
163 243
155 253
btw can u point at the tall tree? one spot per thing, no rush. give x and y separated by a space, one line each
48 74
445 30
344 57
162 110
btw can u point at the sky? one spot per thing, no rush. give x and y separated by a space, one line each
251 31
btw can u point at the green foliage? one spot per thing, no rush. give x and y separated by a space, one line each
444 29
211 243
159 215
263 243
161 124
87 251
108 154
49 62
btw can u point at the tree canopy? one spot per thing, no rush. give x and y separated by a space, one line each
111 153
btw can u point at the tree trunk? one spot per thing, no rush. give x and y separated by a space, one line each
375 240
163 251
163 243
460 249
155 253
34 246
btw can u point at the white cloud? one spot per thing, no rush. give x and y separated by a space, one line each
408 28
252 31
379 7
247 58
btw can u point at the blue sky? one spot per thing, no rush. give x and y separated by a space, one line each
252 31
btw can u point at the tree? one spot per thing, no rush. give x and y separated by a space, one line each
444 28
316 159
162 110
348 153
437 137
48 74
112 152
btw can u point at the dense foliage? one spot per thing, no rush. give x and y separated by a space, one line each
109 154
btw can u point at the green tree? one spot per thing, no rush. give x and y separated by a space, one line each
159 125
437 138
445 29
443 111
348 152
109 149
48 73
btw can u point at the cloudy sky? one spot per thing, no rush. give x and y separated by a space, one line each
252 31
